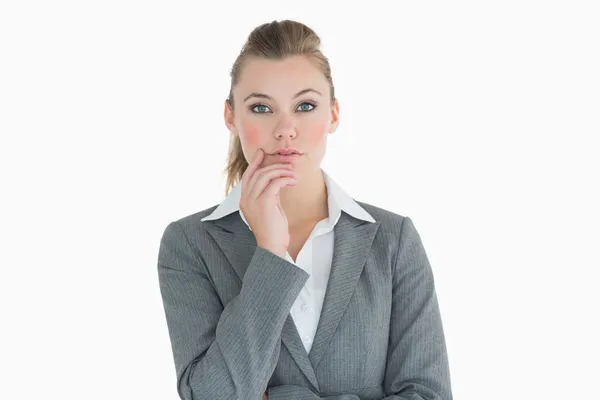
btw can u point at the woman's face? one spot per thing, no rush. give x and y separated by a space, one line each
297 112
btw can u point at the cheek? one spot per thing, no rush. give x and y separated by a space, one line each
317 134
250 136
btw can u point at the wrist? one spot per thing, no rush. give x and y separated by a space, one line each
279 251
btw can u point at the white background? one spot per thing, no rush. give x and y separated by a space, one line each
480 120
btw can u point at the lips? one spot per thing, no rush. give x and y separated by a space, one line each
286 151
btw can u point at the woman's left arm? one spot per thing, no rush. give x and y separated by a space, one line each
417 361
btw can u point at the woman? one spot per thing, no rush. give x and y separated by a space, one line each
289 288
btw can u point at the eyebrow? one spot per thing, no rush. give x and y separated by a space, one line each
264 96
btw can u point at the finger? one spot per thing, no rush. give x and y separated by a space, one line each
249 176
265 179
276 184
251 182
252 166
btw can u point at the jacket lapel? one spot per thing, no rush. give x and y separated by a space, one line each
352 242
353 239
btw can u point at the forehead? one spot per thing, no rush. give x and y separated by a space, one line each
280 77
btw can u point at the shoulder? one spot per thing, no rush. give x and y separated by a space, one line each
188 225
195 219
401 236
388 220
397 227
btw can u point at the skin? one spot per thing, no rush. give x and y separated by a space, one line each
302 122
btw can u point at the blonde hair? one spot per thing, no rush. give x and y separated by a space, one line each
276 40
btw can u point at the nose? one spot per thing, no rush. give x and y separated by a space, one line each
286 128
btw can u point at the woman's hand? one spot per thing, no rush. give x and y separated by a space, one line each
265 397
261 206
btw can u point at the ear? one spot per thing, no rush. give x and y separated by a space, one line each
335 117
228 116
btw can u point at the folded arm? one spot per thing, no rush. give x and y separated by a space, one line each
224 352
417 363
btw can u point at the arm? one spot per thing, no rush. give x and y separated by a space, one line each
224 352
295 392
417 364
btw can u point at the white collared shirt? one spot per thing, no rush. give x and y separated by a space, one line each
315 257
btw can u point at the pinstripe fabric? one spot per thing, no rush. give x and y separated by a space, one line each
315 255
227 306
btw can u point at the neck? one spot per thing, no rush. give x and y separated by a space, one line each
307 200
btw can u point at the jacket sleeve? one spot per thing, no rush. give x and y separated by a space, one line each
417 363
224 352
296 392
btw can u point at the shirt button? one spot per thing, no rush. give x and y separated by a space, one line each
304 307
306 339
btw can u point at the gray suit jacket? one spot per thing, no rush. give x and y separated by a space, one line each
227 304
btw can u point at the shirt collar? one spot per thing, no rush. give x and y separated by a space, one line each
337 201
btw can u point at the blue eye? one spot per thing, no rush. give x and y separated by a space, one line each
255 106
310 104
